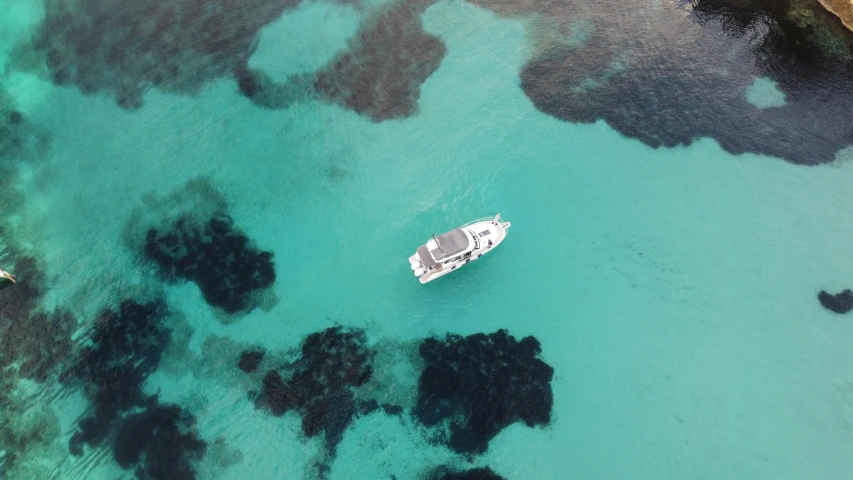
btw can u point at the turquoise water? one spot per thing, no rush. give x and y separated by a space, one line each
673 290
764 93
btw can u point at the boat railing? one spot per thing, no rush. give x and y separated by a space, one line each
481 219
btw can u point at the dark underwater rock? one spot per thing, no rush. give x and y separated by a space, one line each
159 442
14 117
838 303
36 341
174 45
481 384
126 347
247 82
368 407
319 384
486 473
189 236
33 345
628 71
801 32
217 256
381 72
155 440
249 360
21 143
392 409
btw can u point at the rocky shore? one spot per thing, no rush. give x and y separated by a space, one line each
842 8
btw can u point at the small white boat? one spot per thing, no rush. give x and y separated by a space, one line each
446 253
7 276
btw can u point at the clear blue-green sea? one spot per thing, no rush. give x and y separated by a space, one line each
678 178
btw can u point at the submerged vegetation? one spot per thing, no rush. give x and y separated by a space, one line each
174 45
155 440
319 384
469 390
838 303
215 255
480 384
190 236
472 474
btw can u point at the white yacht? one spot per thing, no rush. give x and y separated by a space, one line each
446 253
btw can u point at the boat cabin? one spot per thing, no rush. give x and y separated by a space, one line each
449 247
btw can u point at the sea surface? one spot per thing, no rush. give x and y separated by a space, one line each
209 206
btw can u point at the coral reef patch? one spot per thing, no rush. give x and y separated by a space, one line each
126 346
367 407
30 429
160 442
21 142
485 473
176 45
190 236
154 439
838 303
319 384
380 74
36 341
217 256
668 93
480 384
263 91
249 360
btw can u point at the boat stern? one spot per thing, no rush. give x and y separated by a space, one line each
416 265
